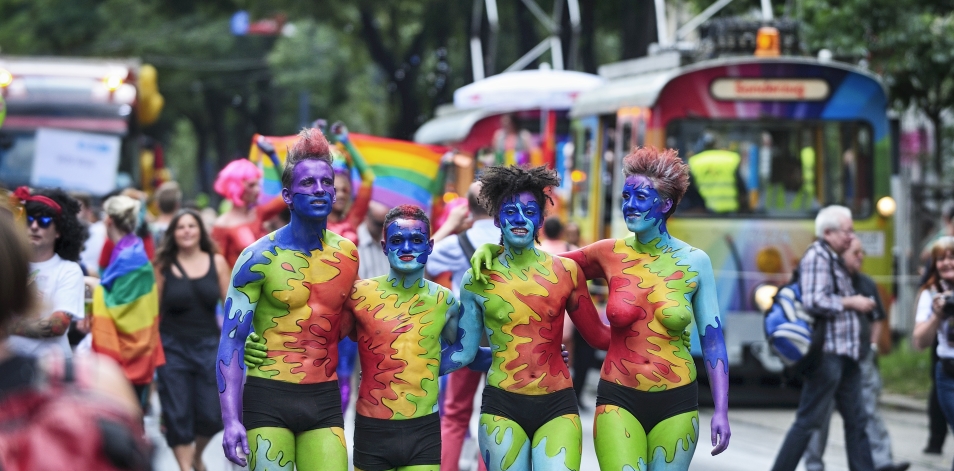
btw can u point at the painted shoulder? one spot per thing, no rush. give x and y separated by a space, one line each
342 243
436 289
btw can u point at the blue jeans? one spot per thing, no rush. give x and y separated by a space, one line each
945 393
837 378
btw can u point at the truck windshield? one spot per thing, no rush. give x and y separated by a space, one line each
774 168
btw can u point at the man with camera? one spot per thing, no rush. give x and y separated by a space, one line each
828 294
871 328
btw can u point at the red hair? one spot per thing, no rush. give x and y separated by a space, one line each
311 145
407 211
669 174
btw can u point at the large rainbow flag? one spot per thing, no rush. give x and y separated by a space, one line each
405 172
126 312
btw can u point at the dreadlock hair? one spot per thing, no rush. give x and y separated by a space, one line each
73 233
311 145
498 184
406 211
669 174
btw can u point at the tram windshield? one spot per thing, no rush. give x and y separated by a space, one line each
774 168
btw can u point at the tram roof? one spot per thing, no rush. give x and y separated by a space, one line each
643 89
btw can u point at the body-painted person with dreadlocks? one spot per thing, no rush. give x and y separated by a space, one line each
56 237
647 402
290 286
409 331
529 417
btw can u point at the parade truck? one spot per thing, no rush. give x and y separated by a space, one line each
77 123
769 139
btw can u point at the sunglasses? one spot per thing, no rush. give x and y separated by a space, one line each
42 221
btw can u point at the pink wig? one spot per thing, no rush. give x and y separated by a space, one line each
231 180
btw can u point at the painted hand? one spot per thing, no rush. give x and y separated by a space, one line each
255 350
720 432
235 443
482 361
565 354
687 340
340 131
483 257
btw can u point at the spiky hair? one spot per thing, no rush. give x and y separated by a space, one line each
311 145
669 174
406 211
498 184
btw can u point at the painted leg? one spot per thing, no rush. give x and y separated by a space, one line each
504 446
322 449
558 445
273 449
620 440
420 467
673 442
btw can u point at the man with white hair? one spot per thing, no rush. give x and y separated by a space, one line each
828 294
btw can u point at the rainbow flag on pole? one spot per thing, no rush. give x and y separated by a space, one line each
126 312
405 172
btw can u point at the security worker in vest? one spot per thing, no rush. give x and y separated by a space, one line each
715 173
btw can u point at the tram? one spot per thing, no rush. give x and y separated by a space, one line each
793 134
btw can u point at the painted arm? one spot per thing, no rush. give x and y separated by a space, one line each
243 296
588 260
359 209
705 305
54 325
483 257
460 338
584 315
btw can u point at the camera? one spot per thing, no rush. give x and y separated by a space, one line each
947 310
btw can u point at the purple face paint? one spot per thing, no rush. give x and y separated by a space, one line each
407 244
643 207
313 189
519 218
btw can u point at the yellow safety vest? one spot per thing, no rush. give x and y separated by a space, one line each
714 172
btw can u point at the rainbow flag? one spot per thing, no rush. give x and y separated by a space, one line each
126 312
405 172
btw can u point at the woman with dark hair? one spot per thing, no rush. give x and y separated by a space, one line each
932 318
191 278
529 406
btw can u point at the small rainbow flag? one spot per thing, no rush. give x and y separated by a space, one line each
405 172
126 312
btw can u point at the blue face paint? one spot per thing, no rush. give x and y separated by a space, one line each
519 218
407 244
313 189
643 208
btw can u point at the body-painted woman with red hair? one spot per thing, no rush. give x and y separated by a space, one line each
647 401
529 416
290 286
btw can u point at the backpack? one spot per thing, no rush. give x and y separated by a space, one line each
55 424
794 335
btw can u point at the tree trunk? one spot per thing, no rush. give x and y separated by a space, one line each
526 33
935 117
588 35
639 28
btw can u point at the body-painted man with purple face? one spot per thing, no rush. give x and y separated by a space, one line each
529 415
401 322
647 402
289 287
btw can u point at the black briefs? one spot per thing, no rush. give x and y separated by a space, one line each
529 412
382 444
296 407
649 408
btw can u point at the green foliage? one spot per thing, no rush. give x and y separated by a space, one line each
905 371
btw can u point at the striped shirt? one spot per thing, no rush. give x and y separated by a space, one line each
372 261
821 298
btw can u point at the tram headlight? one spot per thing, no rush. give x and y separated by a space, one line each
887 206
6 78
113 82
764 296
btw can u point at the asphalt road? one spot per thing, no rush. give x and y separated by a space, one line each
756 437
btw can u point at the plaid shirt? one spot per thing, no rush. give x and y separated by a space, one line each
821 298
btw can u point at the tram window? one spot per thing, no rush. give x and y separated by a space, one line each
774 168
580 196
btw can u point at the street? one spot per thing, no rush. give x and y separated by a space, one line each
756 436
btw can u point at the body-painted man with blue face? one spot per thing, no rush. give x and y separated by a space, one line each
529 415
400 322
647 402
289 286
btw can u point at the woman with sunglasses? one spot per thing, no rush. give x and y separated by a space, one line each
191 279
56 238
933 315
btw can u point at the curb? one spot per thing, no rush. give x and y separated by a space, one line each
898 401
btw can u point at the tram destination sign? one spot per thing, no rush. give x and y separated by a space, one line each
773 89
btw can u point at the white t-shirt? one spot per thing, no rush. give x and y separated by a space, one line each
59 284
924 314
94 247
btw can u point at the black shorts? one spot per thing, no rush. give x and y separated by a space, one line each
529 412
187 391
381 444
649 408
296 407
